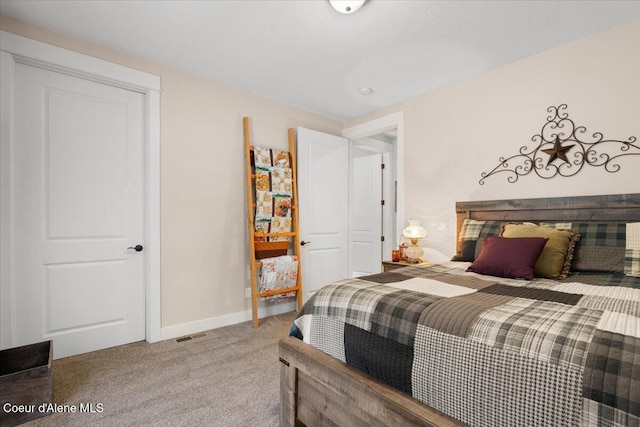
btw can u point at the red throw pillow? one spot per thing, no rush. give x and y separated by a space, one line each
512 257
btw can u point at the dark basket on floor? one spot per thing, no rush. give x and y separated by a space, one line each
25 379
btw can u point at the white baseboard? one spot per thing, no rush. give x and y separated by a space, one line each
189 328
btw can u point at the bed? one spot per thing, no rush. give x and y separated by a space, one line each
437 345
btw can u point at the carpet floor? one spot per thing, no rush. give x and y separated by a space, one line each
226 377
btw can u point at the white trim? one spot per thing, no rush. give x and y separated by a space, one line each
376 126
7 293
152 267
54 56
20 49
194 327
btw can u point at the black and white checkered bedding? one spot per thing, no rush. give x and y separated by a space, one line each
489 351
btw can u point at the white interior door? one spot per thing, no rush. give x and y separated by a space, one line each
79 204
366 214
323 188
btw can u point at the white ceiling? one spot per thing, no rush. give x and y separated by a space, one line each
305 54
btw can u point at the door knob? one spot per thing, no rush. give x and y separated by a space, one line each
137 248
304 243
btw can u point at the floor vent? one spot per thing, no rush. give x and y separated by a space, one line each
191 337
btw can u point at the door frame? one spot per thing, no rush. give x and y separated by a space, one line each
374 127
17 49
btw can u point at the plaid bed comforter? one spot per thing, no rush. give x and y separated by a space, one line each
489 351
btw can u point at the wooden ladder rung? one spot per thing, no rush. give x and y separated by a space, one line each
285 234
278 291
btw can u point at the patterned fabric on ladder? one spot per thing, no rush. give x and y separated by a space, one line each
274 190
279 273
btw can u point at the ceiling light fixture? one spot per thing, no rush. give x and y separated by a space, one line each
365 91
346 6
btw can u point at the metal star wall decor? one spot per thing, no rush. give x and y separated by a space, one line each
557 152
561 150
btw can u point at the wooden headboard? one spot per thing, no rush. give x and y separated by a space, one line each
616 207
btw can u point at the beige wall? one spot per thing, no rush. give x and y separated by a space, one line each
455 133
205 255
451 136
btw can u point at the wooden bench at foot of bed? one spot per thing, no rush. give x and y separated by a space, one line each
319 390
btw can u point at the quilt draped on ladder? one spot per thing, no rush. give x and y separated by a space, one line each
274 190
279 273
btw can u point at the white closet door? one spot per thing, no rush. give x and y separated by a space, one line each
79 204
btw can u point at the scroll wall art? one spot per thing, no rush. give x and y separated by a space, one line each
562 148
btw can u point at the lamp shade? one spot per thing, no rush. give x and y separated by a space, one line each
414 231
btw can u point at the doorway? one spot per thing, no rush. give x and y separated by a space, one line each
372 203
376 192
323 165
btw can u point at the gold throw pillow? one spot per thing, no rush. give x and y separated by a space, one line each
555 260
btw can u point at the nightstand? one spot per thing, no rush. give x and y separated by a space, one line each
390 265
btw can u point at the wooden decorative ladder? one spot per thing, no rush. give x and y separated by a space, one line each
264 245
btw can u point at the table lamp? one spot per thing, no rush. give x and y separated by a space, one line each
414 232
